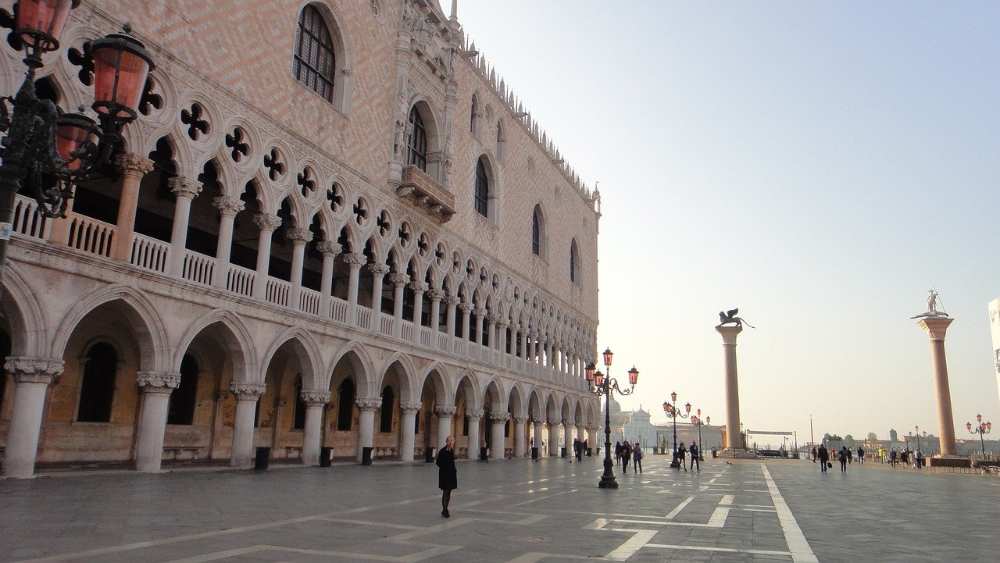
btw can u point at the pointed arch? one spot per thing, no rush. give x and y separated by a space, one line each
308 354
439 376
409 374
24 315
354 352
236 337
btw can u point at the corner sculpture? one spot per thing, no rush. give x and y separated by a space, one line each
932 310
729 317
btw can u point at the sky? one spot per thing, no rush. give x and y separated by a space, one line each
819 165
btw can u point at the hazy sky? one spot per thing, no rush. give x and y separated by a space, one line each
819 165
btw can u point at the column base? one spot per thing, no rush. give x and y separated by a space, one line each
738 453
948 461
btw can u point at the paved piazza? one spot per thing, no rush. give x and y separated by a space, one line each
509 511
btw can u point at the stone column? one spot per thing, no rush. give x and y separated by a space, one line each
435 296
299 237
497 441
229 207
354 260
539 436
568 429
444 414
184 190
398 281
330 250
480 317
366 424
267 223
466 316
378 275
246 395
733 436
520 432
936 328
418 288
502 337
553 437
473 438
32 377
408 414
491 332
315 402
451 301
529 354
133 167
156 389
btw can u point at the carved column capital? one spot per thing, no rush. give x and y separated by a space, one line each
228 204
499 417
26 369
369 404
445 410
328 247
158 382
267 221
418 286
378 269
315 398
409 408
247 391
355 259
520 419
435 294
399 279
184 187
465 307
474 414
299 234
133 164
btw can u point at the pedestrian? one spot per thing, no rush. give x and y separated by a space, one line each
892 458
680 456
920 459
447 474
845 454
586 446
637 459
850 455
824 457
861 455
626 454
618 453
695 456
814 454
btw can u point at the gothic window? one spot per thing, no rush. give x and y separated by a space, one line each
574 263
482 190
98 387
314 60
537 231
299 420
185 397
385 412
345 405
417 141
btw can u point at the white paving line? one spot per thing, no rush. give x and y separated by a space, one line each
796 540
677 509
632 545
545 497
722 549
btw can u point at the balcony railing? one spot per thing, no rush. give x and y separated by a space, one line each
338 310
198 268
90 235
364 317
149 253
276 291
309 300
407 331
385 324
28 221
240 280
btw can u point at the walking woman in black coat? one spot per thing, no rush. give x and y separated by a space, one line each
447 474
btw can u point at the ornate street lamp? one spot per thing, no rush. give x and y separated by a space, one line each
606 385
673 412
46 151
696 419
981 428
916 429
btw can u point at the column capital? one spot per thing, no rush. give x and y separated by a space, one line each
499 417
368 404
247 391
480 311
435 294
520 420
399 279
729 333
182 186
25 369
569 421
449 299
418 286
474 414
355 259
131 164
378 269
465 307
328 247
408 407
267 221
228 204
503 323
445 410
158 381
299 234
315 398
935 327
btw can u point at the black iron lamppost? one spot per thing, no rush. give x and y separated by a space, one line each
981 428
696 419
916 430
46 151
673 412
606 385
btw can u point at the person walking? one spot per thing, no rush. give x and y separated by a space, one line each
824 457
695 457
626 454
637 459
861 455
845 454
814 454
892 458
447 474
681 451
618 453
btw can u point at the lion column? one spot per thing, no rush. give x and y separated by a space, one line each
734 438
936 327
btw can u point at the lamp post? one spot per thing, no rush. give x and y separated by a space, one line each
696 419
981 428
46 151
917 431
673 412
606 385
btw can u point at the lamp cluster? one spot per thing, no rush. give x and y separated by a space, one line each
606 385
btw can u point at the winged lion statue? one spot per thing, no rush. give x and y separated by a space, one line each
730 318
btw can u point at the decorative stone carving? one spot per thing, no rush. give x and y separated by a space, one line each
299 234
133 164
378 269
247 391
328 247
315 398
520 419
445 410
228 205
399 279
184 187
26 369
477 414
267 221
465 307
355 259
435 294
158 382
499 416
369 404
418 286
409 408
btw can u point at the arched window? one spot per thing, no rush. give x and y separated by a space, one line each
345 405
482 190
537 231
574 263
98 387
473 114
299 420
417 141
314 61
385 413
185 397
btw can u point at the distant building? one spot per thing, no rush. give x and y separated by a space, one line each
637 426
994 310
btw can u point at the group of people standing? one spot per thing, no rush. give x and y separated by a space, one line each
695 456
626 451
845 456
579 448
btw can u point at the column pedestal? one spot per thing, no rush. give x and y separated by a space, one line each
366 425
936 328
734 442
156 389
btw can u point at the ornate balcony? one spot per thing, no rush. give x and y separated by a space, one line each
423 192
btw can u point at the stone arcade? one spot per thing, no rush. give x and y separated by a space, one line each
333 225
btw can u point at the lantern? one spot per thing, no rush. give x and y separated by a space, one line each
687 408
589 371
608 356
40 22
633 376
708 420
72 131
673 396
979 418
666 407
598 379
968 426
121 65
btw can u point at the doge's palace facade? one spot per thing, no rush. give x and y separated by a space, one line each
333 228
